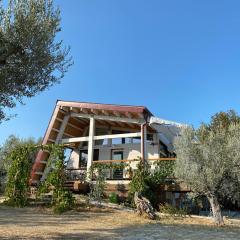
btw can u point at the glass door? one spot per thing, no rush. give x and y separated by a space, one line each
117 173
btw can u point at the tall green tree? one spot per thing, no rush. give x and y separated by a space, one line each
31 59
208 160
9 146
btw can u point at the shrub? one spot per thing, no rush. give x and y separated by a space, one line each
97 188
113 198
142 183
62 199
63 202
169 209
18 176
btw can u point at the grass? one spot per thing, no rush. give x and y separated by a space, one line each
87 222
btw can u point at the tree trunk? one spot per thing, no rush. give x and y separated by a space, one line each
144 206
216 210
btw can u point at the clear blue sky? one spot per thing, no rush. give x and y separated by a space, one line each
181 59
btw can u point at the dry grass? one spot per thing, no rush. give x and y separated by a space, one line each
104 223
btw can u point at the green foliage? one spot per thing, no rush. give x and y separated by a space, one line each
98 174
18 176
142 182
62 198
113 197
19 172
140 179
11 143
31 60
169 209
208 159
163 170
97 189
145 182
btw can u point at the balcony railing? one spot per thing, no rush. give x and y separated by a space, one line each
75 174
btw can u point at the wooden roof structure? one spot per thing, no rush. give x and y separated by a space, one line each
71 120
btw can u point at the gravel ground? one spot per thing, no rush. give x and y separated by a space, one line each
95 223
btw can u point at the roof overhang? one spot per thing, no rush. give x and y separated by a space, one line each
167 130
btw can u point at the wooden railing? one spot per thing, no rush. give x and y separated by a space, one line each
133 160
77 173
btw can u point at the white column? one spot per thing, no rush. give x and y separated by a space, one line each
91 143
143 142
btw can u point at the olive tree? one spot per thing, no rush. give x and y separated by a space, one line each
11 144
31 59
208 160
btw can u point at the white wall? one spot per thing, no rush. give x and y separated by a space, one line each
130 151
74 159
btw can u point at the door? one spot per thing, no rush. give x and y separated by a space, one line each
117 173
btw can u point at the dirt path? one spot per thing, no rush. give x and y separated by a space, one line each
36 223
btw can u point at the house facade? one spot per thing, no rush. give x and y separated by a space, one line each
106 133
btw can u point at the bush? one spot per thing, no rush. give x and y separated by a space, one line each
62 199
113 198
18 176
142 183
64 202
169 209
97 189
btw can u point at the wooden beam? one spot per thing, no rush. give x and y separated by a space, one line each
55 130
108 118
75 139
115 161
162 159
84 110
74 126
112 136
68 135
62 128
122 135
59 119
128 114
133 160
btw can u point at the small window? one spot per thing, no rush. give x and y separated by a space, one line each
83 157
99 132
137 140
150 137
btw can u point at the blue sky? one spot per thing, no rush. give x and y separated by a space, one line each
181 59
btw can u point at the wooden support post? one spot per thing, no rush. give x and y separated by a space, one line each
91 143
143 142
62 129
57 141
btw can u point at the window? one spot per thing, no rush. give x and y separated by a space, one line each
118 140
83 157
150 137
126 140
137 140
163 150
99 132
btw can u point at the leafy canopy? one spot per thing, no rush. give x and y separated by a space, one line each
31 60
11 143
208 158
